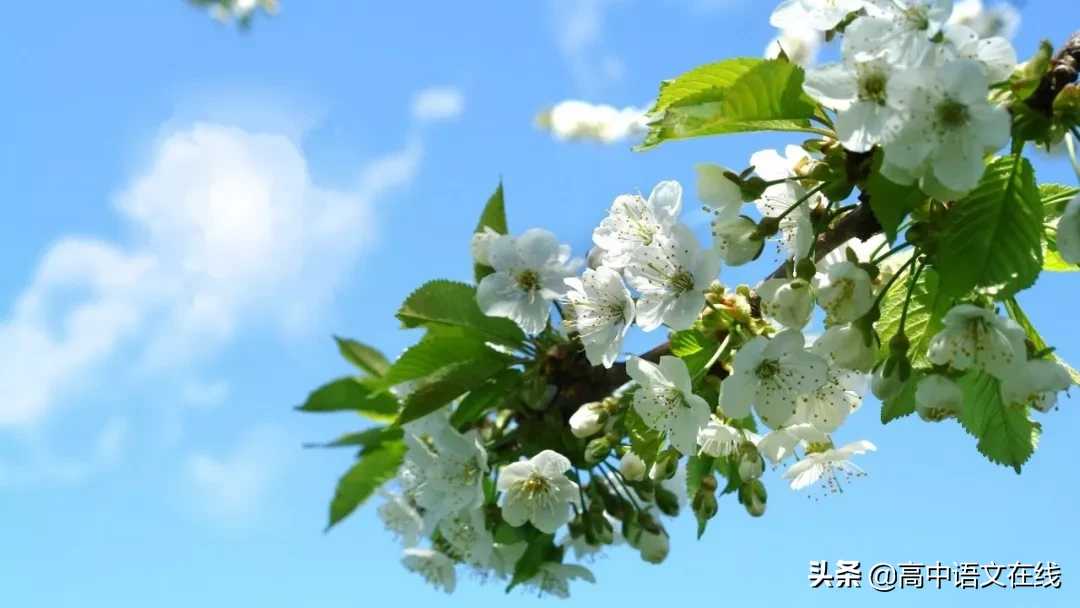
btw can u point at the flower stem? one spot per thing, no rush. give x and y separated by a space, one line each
802 200
910 292
892 280
890 253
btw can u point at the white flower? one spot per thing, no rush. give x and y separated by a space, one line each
796 229
826 464
481 245
975 337
666 401
780 444
554 579
436 568
1002 19
902 29
530 272
446 469
858 91
938 397
950 125
1036 383
734 241
632 467
672 275
996 55
770 375
845 347
467 534
719 440
844 291
827 407
800 44
771 166
790 302
583 551
538 491
886 381
400 518
819 14
599 308
634 222
717 191
1068 232
588 420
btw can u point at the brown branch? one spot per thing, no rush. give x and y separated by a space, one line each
1064 68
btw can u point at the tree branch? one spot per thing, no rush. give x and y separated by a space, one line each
1064 67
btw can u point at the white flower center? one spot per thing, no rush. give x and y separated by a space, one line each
872 85
951 114
528 280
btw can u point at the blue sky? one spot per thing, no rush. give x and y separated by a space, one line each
154 345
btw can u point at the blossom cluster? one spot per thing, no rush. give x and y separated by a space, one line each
738 386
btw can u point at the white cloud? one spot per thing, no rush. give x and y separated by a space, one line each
438 104
234 487
227 232
582 121
578 26
204 394
39 465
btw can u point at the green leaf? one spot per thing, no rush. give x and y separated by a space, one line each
890 202
696 468
1016 313
709 77
363 356
903 404
450 303
695 348
368 440
444 386
1054 198
1007 436
928 306
528 565
1052 260
992 237
429 356
644 441
352 394
485 397
767 97
360 482
493 217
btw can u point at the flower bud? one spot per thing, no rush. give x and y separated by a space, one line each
767 227
598 449
481 245
632 467
740 308
751 465
708 483
718 187
666 465
602 529
736 240
753 497
588 420
667 502
844 347
753 189
899 344
654 547
805 269
704 504
645 489
1068 232
789 302
886 381
595 259
937 398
